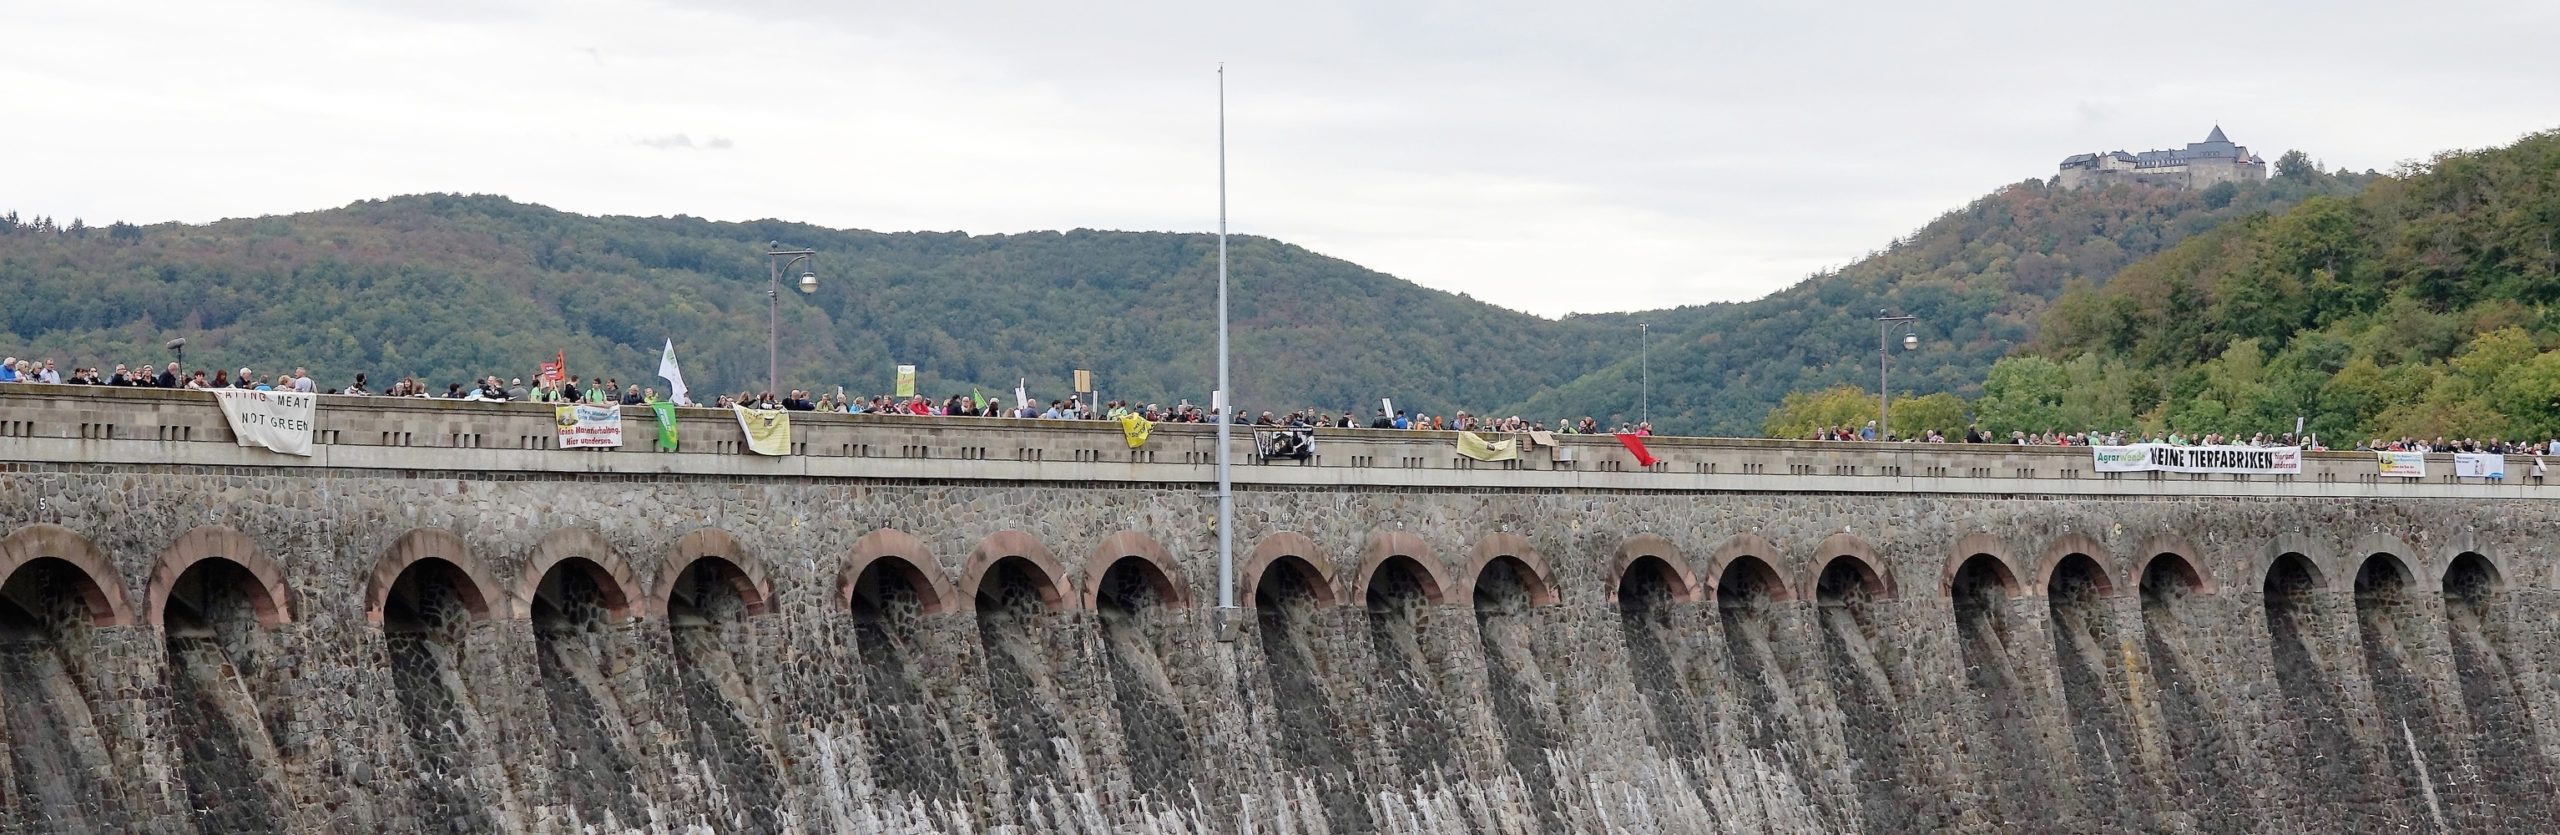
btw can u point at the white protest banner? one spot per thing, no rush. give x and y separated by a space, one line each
277 420
2479 465
2136 458
587 427
2403 464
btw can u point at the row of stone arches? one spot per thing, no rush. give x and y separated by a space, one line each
1840 561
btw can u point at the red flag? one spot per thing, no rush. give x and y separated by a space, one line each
557 370
1635 446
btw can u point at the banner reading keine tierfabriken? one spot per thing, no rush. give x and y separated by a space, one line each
277 420
2251 460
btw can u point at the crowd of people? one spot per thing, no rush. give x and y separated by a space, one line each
611 391
1975 435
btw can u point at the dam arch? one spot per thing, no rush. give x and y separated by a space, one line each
1391 552
891 555
1871 570
714 552
1521 556
2177 553
584 551
1656 556
1290 550
1011 552
102 590
270 598
1738 548
1131 551
478 594
2076 547
1978 546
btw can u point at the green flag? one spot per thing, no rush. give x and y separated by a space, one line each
666 413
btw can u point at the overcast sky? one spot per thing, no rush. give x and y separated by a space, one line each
1552 157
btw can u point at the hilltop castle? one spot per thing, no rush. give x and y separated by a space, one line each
2200 164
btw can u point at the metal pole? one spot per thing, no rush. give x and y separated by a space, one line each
1644 390
1884 371
773 327
1884 381
1225 400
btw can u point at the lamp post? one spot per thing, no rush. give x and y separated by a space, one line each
1884 367
1644 389
781 259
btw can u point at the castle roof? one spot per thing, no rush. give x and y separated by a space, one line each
2216 135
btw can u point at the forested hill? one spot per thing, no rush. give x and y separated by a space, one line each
445 287
2421 306
1980 278
448 286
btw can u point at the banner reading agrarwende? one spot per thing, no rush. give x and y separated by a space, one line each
2253 460
277 420
587 427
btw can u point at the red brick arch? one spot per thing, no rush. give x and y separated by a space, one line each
901 553
1281 546
480 595
1874 571
1981 544
2068 545
1001 545
1752 547
1542 588
748 580
1675 569
104 594
268 596
612 576
1389 545
2181 554
1161 571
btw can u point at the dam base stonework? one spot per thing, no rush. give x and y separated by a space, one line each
309 648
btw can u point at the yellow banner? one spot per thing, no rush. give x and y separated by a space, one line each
768 431
1480 449
1136 428
906 381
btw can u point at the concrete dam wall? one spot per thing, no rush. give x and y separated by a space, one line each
455 638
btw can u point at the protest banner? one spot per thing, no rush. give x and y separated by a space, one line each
278 420
1285 443
666 414
588 427
2402 464
1474 446
2479 465
2245 460
1135 428
768 430
906 381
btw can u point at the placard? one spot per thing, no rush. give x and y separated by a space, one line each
2479 465
2245 460
2402 464
588 427
277 420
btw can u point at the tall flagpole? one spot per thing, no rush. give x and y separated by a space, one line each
1226 400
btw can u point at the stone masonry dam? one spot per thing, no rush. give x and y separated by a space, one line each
439 623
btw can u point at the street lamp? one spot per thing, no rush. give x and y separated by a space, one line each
1884 367
781 259
1644 389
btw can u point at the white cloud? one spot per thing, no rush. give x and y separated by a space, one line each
1552 158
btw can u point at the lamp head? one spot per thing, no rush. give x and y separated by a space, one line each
808 283
1910 341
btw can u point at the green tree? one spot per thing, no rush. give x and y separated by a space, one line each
2022 394
1915 417
2296 165
1805 412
